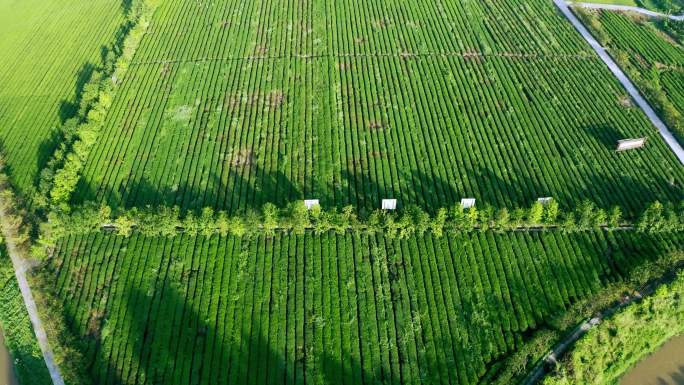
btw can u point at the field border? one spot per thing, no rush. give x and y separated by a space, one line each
664 131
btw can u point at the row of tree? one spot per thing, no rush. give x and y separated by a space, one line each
79 134
296 218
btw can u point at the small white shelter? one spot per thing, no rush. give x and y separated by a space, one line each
467 203
389 204
310 203
630 144
544 200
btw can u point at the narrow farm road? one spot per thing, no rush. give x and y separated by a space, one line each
627 8
566 343
622 78
20 268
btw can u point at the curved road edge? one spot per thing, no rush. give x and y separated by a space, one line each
624 80
20 268
627 8
551 358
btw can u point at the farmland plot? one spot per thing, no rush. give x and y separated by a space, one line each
325 309
231 105
651 52
47 52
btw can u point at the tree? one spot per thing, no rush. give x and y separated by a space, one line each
535 214
271 215
299 217
207 224
517 217
437 224
551 212
124 225
503 219
651 219
614 217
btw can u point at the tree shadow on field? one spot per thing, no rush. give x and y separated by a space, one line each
249 188
126 6
605 134
161 329
68 108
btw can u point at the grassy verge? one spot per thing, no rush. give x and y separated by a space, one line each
19 336
513 368
608 351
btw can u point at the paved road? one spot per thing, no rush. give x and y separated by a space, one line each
627 8
19 264
640 101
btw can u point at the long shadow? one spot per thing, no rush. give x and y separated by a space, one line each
158 331
239 191
605 134
71 110
162 339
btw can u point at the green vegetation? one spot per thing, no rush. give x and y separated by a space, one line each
194 132
651 54
49 50
16 326
168 222
59 178
665 6
354 102
515 367
609 350
324 308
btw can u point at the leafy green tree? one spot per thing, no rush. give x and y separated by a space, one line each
503 219
517 217
191 225
299 217
207 223
585 215
223 223
486 217
551 212
614 217
471 218
438 222
124 225
535 214
237 226
651 219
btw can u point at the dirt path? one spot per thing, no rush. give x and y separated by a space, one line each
627 8
20 268
622 78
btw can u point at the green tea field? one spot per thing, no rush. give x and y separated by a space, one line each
269 102
44 63
325 309
158 153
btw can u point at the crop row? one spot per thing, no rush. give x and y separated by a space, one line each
321 309
429 131
47 52
642 39
190 30
650 53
